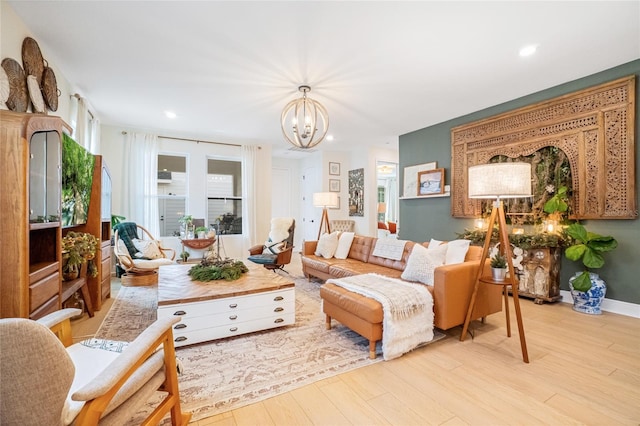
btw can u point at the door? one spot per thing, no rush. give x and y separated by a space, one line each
310 214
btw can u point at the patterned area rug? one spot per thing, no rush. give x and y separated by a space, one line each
230 373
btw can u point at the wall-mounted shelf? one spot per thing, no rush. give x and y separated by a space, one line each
446 193
415 197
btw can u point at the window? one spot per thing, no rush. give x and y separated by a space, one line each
172 193
224 196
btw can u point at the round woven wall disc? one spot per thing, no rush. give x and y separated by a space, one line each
4 87
35 94
18 100
32 59
50 89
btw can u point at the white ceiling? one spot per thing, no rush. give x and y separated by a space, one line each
382 69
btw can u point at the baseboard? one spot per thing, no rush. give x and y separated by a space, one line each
610 305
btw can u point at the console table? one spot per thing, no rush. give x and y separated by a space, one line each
259 300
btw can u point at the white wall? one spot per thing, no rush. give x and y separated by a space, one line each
12 33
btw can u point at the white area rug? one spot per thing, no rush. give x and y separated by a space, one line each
234 372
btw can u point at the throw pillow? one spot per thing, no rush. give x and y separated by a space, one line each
434 244
344 245
456 251
147 249
422 263
327 245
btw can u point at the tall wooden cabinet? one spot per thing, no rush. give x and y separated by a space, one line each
30 232
30 229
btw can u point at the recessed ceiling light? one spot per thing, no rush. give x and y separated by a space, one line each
329 137
528 50
170 114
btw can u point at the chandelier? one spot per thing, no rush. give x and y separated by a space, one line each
309 121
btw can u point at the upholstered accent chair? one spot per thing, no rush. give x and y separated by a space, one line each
276 252
139 254
46 380
343 225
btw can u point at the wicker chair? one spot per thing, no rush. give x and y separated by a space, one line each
136 268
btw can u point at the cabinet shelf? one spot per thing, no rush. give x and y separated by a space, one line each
39 270
70 287
35 226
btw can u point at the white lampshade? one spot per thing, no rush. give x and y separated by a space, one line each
500 180
325 199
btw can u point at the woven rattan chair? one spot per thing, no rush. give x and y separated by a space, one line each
48 381
137 268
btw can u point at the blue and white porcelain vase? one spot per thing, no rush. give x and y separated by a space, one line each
589 302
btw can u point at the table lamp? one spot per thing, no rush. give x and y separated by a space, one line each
498 181
325 200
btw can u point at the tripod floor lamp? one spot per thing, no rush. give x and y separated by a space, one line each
497 181
325 200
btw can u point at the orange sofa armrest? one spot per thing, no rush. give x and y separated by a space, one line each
309 247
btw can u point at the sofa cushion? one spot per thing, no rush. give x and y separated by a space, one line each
422 262
398 265
327 245
361 247
344 245
363 307
456 251
347 269
319 263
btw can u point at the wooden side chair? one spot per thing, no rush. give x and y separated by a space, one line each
48 381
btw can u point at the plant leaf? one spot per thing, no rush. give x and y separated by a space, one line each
578 232
603 244
575 252
592 259
582 282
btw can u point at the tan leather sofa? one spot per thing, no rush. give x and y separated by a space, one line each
453 285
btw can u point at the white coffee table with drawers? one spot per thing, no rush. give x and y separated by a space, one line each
259 300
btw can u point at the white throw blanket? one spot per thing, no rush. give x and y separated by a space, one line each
407 310
389 248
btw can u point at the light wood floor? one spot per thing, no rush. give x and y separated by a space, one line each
583 370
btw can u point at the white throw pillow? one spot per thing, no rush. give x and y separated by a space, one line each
422 263
327 245
456 251
147 249
344 245
433 244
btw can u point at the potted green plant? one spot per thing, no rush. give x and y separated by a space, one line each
587 288
498 267
201 231
185 255
186 226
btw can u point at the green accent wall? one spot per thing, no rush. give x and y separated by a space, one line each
423 219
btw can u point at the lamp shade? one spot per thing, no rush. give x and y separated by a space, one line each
500 180
325 199
382 207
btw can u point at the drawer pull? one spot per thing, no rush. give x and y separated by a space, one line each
233 329
179 326
278 309
233 305
179 313
233 317
279 320
180 339
278 298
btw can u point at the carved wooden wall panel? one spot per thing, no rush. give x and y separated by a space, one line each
594 127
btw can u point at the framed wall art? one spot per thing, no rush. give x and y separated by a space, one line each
334 169
410 182
334 185
356 192
430 182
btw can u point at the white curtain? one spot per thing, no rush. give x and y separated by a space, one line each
140 186
250 160
95 136
82 135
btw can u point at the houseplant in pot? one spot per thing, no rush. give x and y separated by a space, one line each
78 248
498 267
587 288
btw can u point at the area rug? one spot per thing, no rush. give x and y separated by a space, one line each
230 373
